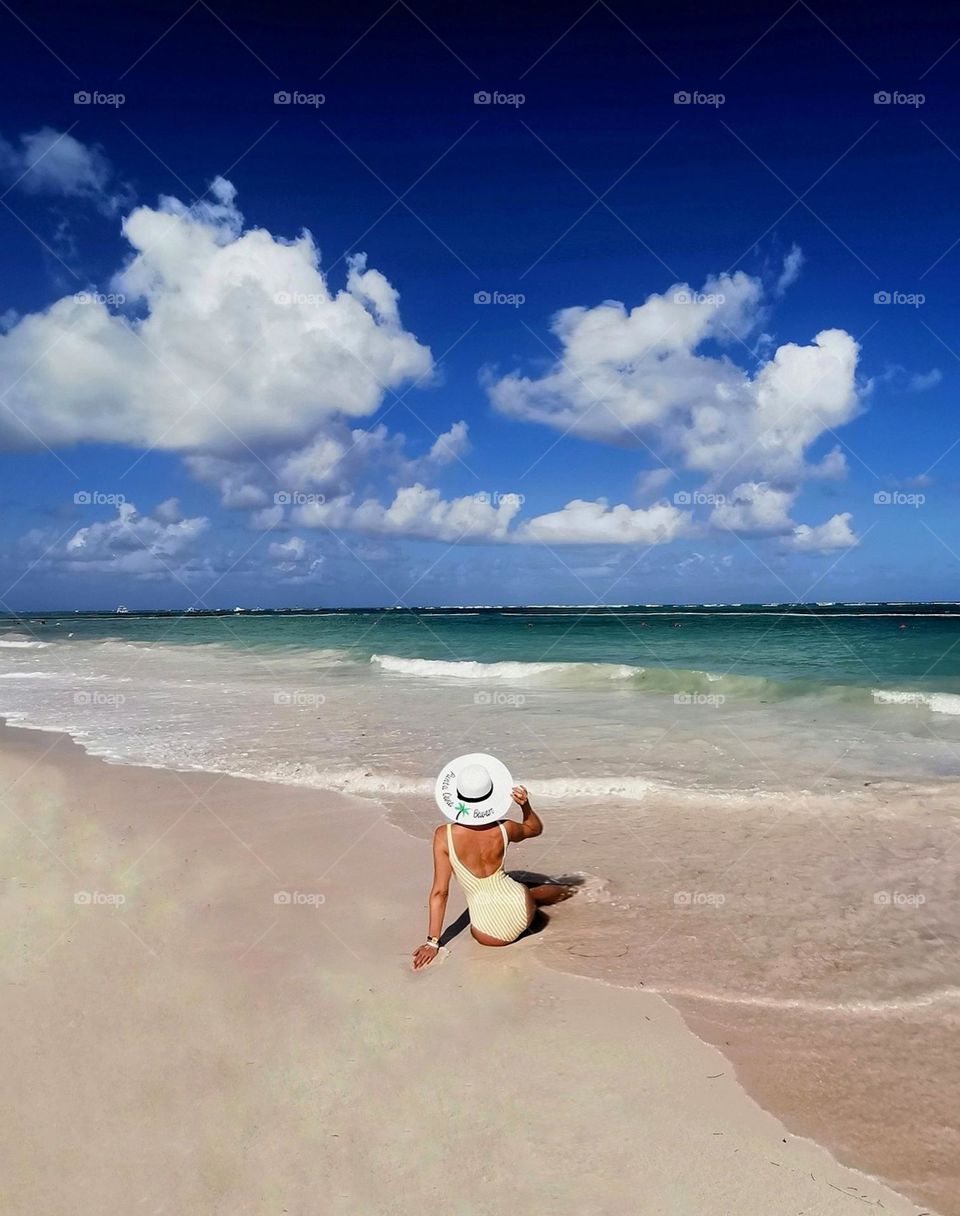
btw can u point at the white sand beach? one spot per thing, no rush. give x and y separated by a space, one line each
209 1008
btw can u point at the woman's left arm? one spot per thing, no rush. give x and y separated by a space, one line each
439 890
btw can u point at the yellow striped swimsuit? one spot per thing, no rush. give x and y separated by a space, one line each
497 903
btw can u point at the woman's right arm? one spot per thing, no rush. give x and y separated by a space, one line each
531 825
437 902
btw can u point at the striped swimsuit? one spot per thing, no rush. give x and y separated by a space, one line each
497 903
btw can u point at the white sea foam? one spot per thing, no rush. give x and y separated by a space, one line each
936 702
360 781
949 996
374 783
474 670
16 642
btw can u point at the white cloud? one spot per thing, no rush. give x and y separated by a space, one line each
416 511
836 533
288 550
53 163
792 265
294 561
168 511
637 377
130 543
755 508
237 340
597 523
650 482
291 557
419 512
451 445
267 519
832 467
230 347
692 562
236 480
333 464
334 461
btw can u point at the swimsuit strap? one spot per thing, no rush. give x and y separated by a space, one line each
506 839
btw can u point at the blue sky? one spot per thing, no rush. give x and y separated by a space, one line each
684 387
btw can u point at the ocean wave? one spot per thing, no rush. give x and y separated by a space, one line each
688 686
20 641
468 669
676 680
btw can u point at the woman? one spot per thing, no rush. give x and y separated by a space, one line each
500 908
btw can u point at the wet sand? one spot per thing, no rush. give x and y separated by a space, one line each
816 943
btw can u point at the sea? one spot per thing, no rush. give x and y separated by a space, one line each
757 801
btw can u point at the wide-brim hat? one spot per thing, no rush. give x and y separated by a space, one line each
475 789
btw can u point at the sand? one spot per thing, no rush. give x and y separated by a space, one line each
209 1008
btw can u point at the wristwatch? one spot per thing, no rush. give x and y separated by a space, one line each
434 942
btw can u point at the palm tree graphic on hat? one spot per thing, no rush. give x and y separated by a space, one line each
462 809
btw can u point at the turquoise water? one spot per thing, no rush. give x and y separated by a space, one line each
909 647
588 703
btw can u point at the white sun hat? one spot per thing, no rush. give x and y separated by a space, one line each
475 789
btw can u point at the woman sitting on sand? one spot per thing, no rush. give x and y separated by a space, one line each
476 792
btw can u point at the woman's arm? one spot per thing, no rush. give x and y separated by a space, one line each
437 903
532 825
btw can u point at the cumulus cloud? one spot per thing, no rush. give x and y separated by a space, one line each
288 550
836 533
593 523
229 346
642 377
293 560
757 509
334 461
416 511
331 464
267 519
229 338
141 546
55 164
420 512
237 481
168 511
451 445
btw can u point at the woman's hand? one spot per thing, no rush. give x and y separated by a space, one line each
423 955
532 824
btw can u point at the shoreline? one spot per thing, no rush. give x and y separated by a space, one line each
287 1061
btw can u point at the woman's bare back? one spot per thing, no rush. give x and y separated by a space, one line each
481 850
